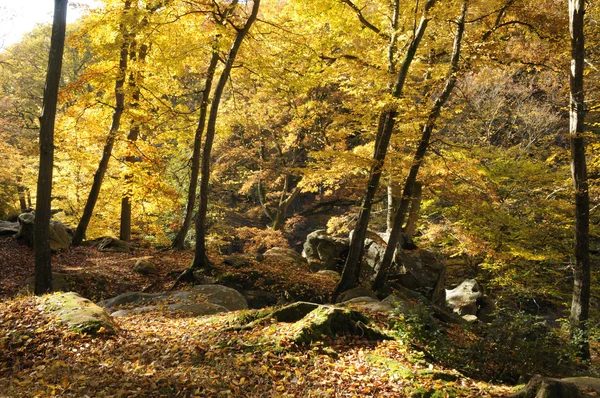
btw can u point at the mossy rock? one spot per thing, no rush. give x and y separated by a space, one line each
79 314
329 321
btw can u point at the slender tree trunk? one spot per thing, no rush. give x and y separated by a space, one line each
43 256
420 155
179 241
351 272
200 259
284 203
581 289
110 141
415 209
22 192
135 80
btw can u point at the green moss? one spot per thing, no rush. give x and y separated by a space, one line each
78 313
394 368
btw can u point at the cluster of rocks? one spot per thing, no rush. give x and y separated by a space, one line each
60 234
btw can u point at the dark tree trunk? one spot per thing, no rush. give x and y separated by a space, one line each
411 180
110 141
179 241
200 259
385 128
43 256
581 289
135 80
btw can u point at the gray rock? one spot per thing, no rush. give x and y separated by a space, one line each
463 299
145 267
323 251
198 309
356 292
60 282
8 228
259 299
589 383
222 295
26 222
287 254
59 234
369 304
329 273
423 271
136 298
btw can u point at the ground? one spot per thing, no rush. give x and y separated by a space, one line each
157 354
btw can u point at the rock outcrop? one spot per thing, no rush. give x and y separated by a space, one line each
79 313
323 251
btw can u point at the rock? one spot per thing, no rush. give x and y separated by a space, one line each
368 304
26 222
470 318
422 271
60 282
259 299
464 298
79 313
287 254
330 273
356 292
145 267
588 383
328 322
487 309
238 260
198 309
543 387
222 295
108 243
60 237
323 251
8 228
131 298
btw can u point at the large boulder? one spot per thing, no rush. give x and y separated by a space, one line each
8 228
464 299
323 251
285 254
545 387
354 293
60 237
222 295
220 298
79 313
145 267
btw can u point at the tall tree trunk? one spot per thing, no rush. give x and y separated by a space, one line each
581 289
385 128
420 155
200 260
284 203
135 81
415 209
179 241
110 140
43 256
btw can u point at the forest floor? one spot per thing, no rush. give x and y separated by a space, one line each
158 354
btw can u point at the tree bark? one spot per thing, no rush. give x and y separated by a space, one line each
420 155
179 241
110 140
43 256
351 272
135 80
581 272
415 209
200 259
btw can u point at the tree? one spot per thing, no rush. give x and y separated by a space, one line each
200 259
385 128
114 128
581 289
411 180
43 256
